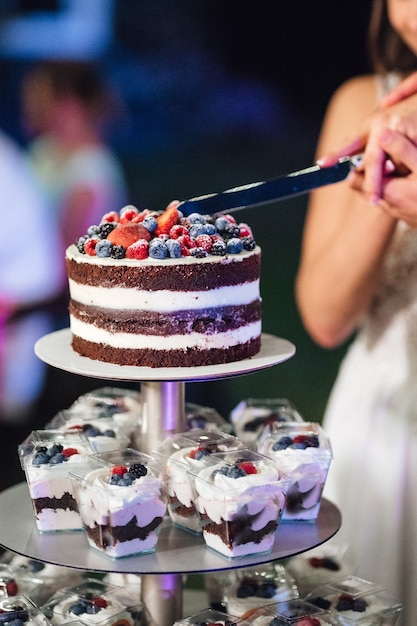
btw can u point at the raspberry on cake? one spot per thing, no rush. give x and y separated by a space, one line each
161 290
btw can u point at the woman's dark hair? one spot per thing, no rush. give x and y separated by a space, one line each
80 79
387 50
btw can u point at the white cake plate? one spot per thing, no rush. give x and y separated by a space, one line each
55 349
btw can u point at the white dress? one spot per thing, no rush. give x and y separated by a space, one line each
371 419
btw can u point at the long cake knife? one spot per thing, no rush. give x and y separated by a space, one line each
293 184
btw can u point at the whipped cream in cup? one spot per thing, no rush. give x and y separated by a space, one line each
253 416
93 602
121 499
180 453
124 406
295 612
47 457
354 601
21 609
302 451
240 496
103 433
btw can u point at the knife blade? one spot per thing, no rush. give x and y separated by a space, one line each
255 194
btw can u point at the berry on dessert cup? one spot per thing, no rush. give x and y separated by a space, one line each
302 451
93 602
21 611
253 416
180 453
355 601
240 496
295 612
47 457
121 499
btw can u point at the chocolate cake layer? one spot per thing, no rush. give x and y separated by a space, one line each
186 276
107 535
67 501
161 358
208 321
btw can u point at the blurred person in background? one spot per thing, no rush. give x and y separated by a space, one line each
65 106
31 275
358 276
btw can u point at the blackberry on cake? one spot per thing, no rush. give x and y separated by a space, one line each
156 289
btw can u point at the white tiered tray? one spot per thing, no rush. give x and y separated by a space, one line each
178 552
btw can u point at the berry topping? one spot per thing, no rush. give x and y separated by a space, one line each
67 452
127 233
54 455
299 442
167 219
122 476
248 467
325 562
199 453
120 470
167 234
348 603
12 588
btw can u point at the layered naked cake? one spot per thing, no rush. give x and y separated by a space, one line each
161 290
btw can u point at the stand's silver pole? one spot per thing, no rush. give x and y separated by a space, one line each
162 599
163 413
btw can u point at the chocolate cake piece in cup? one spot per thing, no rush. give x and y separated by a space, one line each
121 499
180 453
303 452
47 457
240 497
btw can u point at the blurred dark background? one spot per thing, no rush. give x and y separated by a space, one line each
213 94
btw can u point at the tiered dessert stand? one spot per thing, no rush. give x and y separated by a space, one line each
178 552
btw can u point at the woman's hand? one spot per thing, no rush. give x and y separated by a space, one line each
398 192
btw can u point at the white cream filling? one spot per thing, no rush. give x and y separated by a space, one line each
175 342
163 301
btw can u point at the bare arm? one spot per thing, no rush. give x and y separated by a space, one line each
345 238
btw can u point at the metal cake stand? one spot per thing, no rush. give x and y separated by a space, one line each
178 552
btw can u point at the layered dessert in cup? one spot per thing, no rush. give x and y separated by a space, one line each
296 612
121 499
327 563
103 433
94 603
253 587
47 457
198 417
43 578
21 611
211 617
124 406
180 453
303 452
253 415
240 496
354 601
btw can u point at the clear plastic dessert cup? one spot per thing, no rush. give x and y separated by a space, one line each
212 617
21 610
178 454
303 452
324 564
124 406
103 433
296 612
253 415
94 603
121 499
36 579
253 587
47 457
354 601
205 418
240 496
